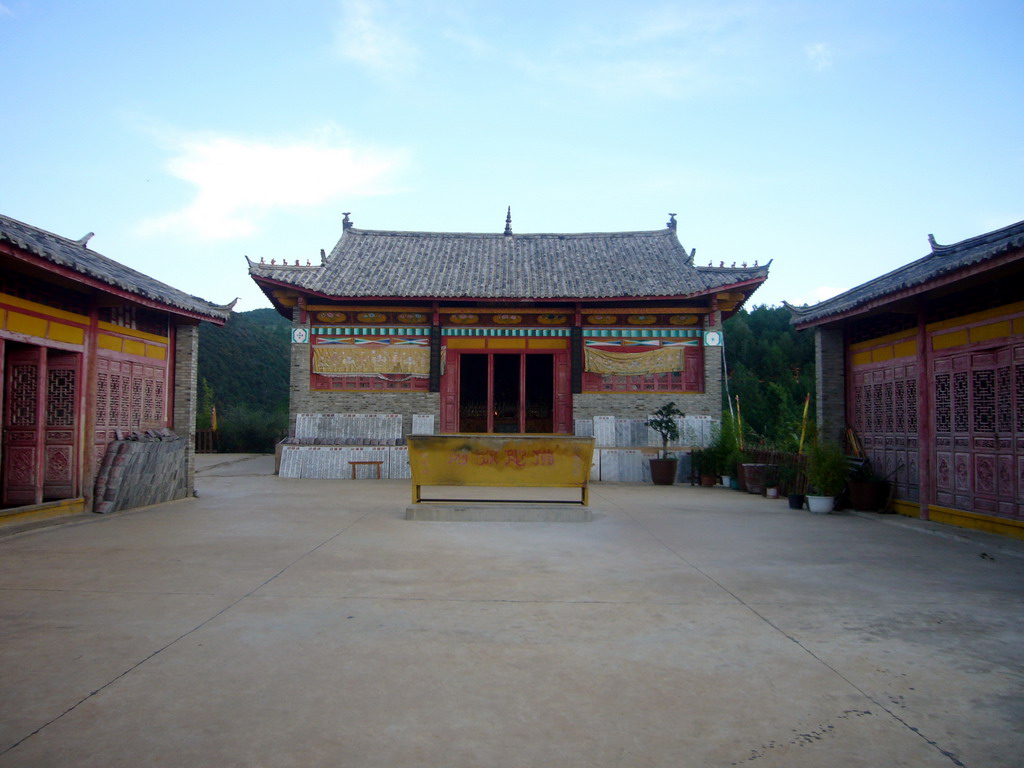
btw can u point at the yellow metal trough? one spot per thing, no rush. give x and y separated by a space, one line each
513 461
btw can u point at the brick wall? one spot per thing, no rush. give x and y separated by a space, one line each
302 400
830 376
186 360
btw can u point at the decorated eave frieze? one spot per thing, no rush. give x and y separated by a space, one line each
502 317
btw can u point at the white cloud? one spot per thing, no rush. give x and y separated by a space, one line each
5 11
375 43
819 55
238 180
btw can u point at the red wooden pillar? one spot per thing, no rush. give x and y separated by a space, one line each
925 424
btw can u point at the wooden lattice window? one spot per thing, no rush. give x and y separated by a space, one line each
60 397
961 402
943 403
984 401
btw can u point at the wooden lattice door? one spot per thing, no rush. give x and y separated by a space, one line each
22 421
40 426
979 428
60 456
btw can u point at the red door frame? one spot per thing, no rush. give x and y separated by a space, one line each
561 402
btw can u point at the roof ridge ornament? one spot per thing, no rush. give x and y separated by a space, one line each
671 224
346 223
508 222
84 239
932 243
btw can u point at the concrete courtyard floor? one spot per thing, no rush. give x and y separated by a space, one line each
273 622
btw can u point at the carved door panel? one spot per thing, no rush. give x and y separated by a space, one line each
450 394
22 433
60 459
979 457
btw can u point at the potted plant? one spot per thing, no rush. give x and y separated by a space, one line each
826 475
704 466
790 484
869 491
663 468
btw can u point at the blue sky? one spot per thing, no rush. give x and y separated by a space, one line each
831 137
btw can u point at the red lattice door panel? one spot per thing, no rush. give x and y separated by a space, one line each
129 396
979 431
61 426
883 412
22 427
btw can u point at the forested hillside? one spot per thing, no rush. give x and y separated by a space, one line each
771 368
243 370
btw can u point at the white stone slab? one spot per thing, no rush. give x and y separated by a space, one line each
423 424
604 431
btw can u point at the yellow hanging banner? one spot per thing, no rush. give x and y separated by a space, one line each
343 360
665 360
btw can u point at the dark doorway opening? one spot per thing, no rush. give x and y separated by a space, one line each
506 393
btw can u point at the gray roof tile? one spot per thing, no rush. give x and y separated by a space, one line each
943 260
74 255
375 263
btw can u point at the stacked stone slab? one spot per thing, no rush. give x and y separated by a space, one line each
142 469
325 444
624 445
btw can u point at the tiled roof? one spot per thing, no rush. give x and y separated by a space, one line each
74 255
374 263
942 261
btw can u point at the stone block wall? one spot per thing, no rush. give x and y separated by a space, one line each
830 359
186 363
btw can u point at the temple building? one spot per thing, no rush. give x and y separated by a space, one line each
926 365
505 332
91 352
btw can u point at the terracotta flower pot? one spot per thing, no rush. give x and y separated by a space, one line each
663 471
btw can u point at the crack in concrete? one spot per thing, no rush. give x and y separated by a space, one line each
791 638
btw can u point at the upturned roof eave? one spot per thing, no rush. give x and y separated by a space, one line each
77 268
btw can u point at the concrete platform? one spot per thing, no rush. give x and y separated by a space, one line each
274 622
500 512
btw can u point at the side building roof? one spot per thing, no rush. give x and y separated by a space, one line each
917 276
421 265
74 255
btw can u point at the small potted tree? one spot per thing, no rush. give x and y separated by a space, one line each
663 468
826 475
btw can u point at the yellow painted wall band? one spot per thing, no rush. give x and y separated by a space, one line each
888 338
947 340
1002 526
71 334
548 343
106 341
132 347
105 326
905 349
30 325
155 352
861 358
881 354
42 309
975 317
991 331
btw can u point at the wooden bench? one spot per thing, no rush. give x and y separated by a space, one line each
354 464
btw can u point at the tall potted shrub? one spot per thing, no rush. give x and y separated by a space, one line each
663 421
826 475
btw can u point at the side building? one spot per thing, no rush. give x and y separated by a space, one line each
90 351
926 365
504 332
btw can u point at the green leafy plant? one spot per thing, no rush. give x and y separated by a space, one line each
663 421
827 468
